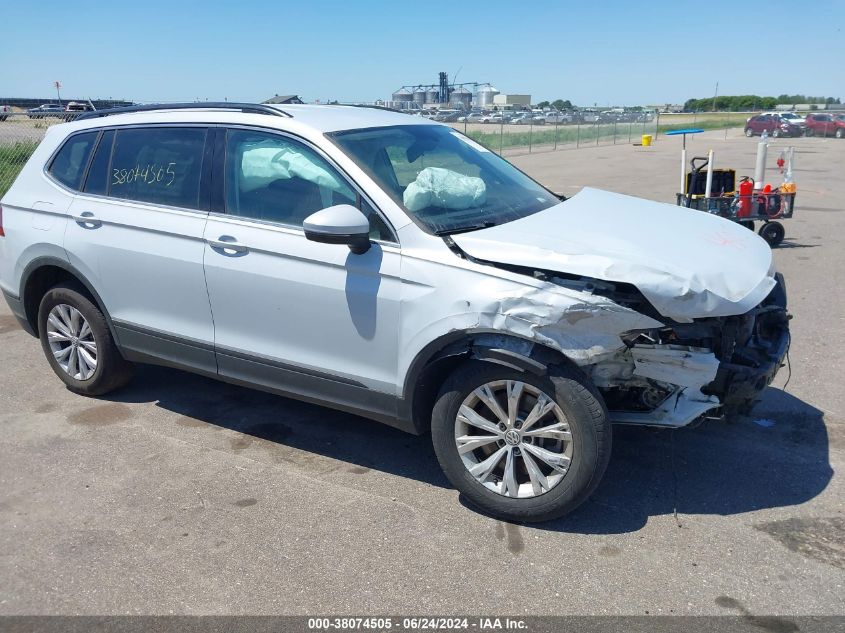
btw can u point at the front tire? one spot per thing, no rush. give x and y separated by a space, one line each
839 133
521 447
749 132
78 344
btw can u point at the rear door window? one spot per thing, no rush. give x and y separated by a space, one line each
71 161
158 165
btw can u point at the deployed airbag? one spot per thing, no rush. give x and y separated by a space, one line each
263 165
438 187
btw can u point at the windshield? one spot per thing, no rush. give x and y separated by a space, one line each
446 182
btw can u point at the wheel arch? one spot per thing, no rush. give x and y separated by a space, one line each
439 358
43 273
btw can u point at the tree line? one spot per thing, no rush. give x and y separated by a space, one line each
557 104
742 103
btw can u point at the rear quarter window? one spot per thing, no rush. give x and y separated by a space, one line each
71 161
162 166
98 174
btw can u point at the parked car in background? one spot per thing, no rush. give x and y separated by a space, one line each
474 117
773 124
447 116
45 110
79 106
5 111
825 125
526 118
792 117
557 117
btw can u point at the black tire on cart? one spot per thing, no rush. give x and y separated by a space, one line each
773 233
749 224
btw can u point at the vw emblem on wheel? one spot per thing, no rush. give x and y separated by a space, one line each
512 437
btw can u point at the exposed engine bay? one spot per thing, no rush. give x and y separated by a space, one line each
674 375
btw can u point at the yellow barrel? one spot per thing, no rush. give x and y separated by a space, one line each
646 140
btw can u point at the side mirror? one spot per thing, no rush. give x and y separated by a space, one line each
340 224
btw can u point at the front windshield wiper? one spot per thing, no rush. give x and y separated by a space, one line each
463 229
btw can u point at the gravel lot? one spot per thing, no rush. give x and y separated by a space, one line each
183 495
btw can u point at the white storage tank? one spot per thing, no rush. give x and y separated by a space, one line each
419 96
402 97
461 95
484 96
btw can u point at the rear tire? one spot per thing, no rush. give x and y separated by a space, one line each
78 344
839 133
808 132
576 410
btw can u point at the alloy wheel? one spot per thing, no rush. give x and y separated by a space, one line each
513 439
72 342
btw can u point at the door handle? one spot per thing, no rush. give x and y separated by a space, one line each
87 218
227 243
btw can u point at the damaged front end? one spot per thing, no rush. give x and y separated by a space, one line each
674 375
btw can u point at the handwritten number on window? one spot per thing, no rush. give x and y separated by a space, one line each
150 174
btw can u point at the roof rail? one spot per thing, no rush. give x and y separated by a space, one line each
371 106
251 108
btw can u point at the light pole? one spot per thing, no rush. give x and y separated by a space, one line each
58 85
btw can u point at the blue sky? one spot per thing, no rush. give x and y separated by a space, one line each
603 52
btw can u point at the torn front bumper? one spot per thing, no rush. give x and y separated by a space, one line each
674 376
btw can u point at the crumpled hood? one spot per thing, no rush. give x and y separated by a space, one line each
688 264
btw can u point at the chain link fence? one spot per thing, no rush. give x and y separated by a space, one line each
586 130
21 132
544 135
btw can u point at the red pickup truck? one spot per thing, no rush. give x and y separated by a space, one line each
825 125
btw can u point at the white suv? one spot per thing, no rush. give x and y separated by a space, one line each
388 266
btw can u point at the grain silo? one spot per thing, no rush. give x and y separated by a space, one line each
462 96
484 96
402 97
419 96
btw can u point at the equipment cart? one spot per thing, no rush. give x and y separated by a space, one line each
746 206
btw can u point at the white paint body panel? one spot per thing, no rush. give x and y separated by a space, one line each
688 264
34 217
313 305
145 262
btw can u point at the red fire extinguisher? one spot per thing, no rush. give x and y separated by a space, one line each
746 190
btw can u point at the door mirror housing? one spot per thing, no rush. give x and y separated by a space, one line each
340 224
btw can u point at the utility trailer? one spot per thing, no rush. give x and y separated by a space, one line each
745 206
